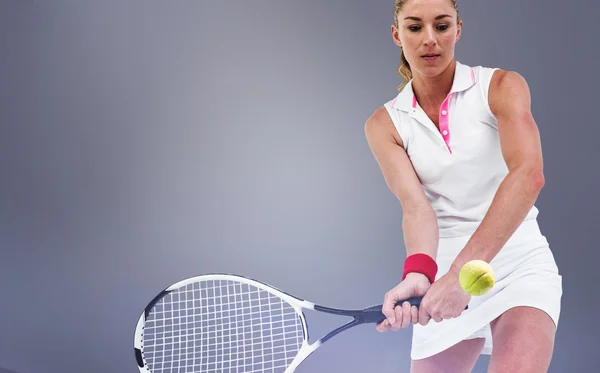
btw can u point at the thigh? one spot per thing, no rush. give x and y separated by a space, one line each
460 358
523 339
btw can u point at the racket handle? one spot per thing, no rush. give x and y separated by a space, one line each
374 314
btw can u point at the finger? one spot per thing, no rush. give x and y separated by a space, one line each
424 316
414 317
406 314
388 308
383 326
459 312
399 317
451 315
424 319
437 318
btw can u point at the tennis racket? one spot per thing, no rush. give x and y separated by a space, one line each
228 323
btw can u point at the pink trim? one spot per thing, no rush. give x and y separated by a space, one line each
472 75
394 102
414 103
445 121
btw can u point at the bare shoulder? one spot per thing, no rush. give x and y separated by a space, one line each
509 93
510 101
379 126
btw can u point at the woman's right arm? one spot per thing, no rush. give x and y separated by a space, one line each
419 222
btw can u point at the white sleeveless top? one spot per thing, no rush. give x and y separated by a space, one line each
461 165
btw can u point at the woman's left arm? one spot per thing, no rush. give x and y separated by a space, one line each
510 101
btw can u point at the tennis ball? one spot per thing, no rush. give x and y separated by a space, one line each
476 277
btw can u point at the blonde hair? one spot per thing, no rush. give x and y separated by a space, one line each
404 68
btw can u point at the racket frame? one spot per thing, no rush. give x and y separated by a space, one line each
360 316
298 304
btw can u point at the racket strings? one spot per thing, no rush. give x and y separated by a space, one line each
221 326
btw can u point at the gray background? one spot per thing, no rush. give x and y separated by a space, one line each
145 142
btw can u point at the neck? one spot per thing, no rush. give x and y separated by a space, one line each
433 90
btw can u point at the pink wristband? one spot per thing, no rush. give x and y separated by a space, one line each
420 263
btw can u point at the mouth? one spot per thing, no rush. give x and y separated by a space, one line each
430 56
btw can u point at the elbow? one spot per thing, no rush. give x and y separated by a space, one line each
533 179
529 176
537 180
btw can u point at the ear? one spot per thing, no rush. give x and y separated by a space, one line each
459 30
396 36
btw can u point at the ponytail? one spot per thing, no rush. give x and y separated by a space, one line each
404 71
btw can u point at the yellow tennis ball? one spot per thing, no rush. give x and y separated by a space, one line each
476 277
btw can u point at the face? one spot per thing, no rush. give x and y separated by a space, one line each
427 32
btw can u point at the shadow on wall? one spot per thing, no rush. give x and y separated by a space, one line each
2 370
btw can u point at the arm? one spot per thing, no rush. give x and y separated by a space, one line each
419 221
510 101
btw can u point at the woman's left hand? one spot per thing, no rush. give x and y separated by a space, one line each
445 299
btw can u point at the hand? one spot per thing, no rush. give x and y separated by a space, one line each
413 285
445 299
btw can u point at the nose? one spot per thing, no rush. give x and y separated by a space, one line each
430 37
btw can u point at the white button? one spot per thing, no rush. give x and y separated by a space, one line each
445 132
444 112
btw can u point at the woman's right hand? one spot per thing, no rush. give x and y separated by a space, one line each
413 285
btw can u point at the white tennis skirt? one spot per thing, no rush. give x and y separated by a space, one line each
526 275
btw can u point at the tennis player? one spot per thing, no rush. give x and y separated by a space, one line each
460 149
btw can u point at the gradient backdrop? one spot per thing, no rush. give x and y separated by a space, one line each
144 142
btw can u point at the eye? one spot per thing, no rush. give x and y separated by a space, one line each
443 27
414 28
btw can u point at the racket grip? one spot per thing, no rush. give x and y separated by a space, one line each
374 314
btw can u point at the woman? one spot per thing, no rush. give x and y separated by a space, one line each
459 148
